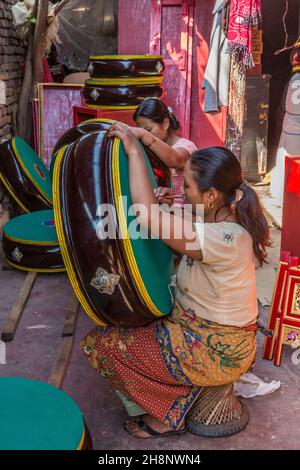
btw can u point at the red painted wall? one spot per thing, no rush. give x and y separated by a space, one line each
134 38
134 26
205 130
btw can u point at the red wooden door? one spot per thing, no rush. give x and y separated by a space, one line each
171 35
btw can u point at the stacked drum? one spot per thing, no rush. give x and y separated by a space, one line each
123 82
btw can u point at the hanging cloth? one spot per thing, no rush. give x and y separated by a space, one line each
216 77
244 14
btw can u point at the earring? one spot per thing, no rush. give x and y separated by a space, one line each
210 205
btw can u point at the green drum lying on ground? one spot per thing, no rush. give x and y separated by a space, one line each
37 416
30 243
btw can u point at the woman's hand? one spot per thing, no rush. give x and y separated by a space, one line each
164 195
139 132
118 129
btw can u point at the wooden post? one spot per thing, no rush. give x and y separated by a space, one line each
14 316
61 364
24 115
39 41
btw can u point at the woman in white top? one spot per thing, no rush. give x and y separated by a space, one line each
210 337
157 129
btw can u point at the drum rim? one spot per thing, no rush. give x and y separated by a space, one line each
95 106
30 242
16 153
62 239
128 250
126 57
36 270
12 193
110 121
124 81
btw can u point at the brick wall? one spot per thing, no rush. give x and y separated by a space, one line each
12 51
12 54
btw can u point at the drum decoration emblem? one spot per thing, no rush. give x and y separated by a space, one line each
95 94
104 282
159 67
91 68
39 171
17 255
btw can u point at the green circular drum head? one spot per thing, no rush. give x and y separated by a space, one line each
150 260
33 167
35 227
37 416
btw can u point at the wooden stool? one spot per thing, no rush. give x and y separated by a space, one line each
217 413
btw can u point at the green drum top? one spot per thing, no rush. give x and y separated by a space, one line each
37 416
150 260
34 168
36 227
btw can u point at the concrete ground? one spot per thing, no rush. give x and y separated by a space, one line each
274 422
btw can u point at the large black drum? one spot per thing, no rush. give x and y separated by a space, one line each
119 275
126 66
25 176
161 171
127 92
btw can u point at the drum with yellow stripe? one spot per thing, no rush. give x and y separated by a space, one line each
127 92
37 416
25 176
126 66
30 243
120 276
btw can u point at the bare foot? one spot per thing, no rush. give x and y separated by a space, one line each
133 426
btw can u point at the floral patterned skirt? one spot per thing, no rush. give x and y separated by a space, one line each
163 366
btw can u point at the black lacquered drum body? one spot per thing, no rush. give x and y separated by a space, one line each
25 176
85 127
126 66
122 94
161 171
116 279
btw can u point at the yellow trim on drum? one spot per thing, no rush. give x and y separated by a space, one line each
30 242
27 172
81 443
296 68
124 81
125 239
13 195
62 239
113 108
125 57
111 121
41 270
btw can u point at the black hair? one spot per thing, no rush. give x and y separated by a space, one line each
218 167
157 111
